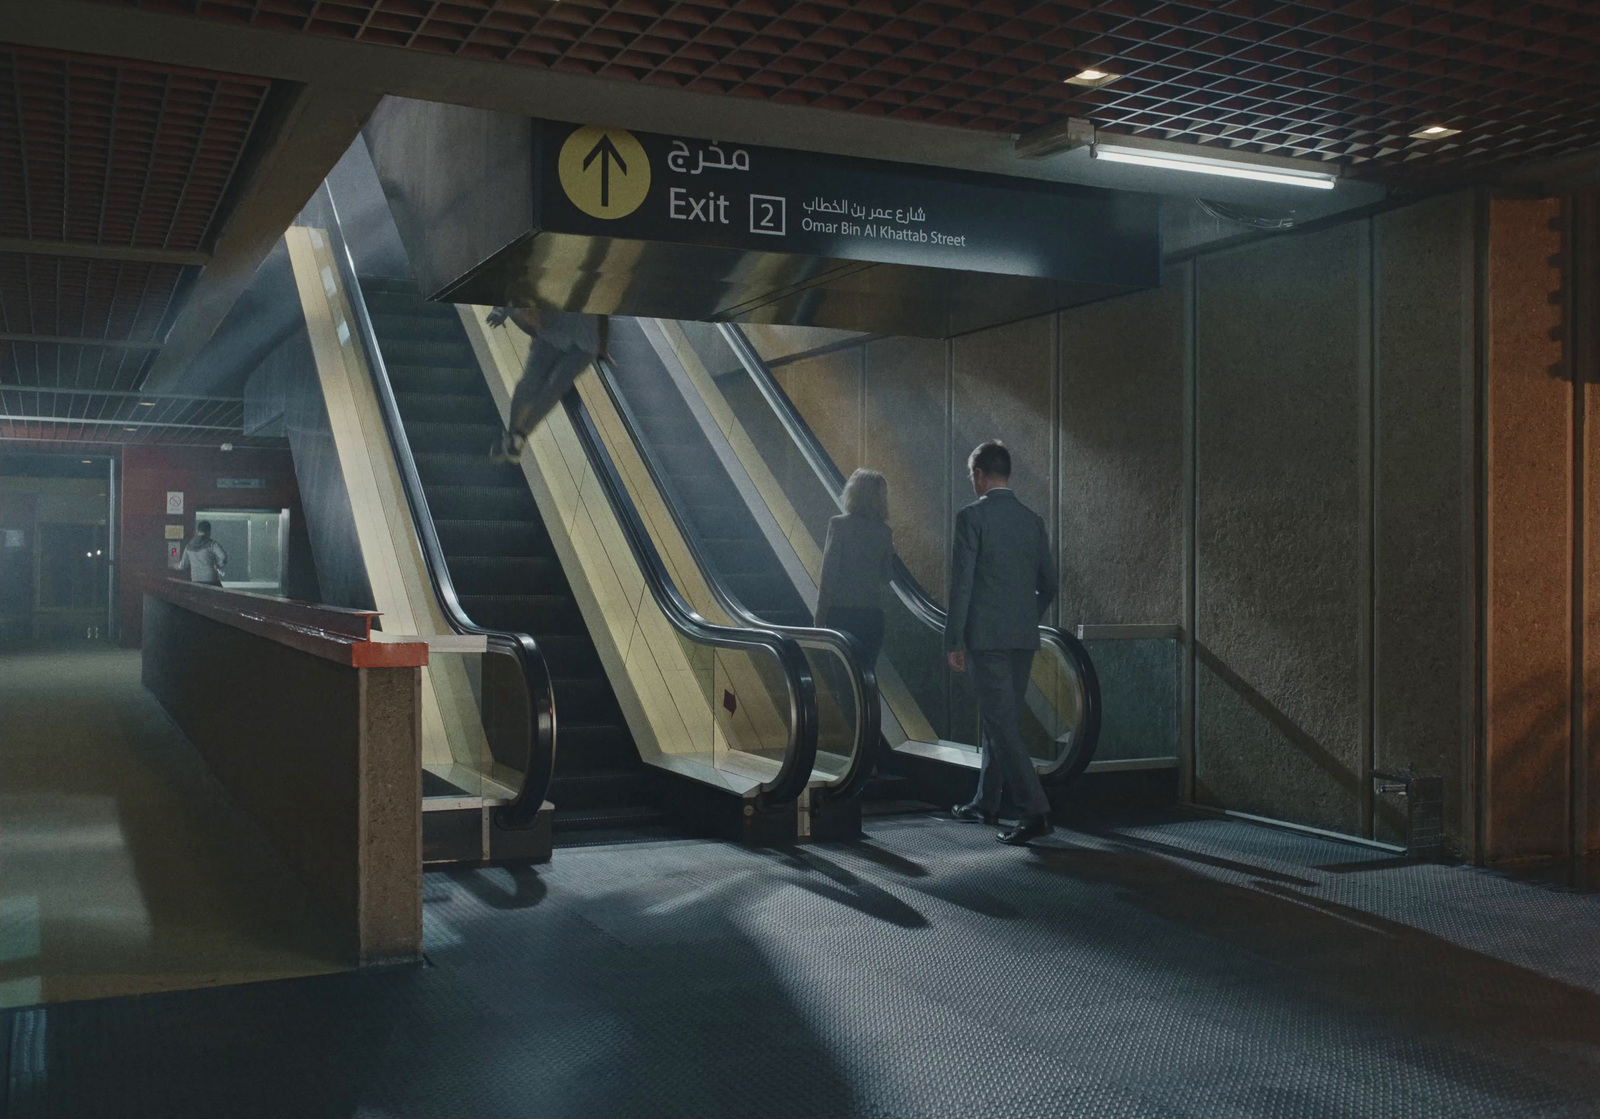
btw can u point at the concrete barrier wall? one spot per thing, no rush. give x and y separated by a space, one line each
325 758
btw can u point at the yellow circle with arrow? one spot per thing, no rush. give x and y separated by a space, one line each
604 171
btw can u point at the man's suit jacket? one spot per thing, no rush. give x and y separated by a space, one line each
1002 575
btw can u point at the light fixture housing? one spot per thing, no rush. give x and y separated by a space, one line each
1091 78
1435 132
1198 164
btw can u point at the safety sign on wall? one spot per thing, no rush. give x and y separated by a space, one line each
174 503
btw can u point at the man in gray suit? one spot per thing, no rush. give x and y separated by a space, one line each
1002 578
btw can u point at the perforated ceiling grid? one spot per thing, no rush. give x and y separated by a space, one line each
114 153
1328 79
103 152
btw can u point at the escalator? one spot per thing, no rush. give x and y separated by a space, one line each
929 714
714 509
499 554
661 699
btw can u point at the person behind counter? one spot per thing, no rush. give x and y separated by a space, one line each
203 558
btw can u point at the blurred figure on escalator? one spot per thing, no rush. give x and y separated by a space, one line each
856 564
203 558
564 345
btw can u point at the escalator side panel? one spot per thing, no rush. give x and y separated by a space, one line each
394 565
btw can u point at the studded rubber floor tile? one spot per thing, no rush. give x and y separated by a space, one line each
1192 968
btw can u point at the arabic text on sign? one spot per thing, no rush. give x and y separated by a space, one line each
679 159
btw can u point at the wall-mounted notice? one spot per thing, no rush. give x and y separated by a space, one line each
174 532
611 182
174 503
241 483
13 538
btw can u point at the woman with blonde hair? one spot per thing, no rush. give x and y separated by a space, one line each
856 563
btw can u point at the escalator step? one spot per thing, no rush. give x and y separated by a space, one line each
455 353
481 503
739 554
441 469
538 614
586 701
424 380
571 655
462 537
508 575
468 408
580 792
605 819
395 328
427 436
589 749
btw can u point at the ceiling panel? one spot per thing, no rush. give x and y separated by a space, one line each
73 366
104 151
1328 79
96 300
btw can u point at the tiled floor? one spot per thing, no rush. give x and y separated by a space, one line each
122 868
1175 968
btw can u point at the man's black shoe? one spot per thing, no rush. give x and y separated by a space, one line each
975 814
1026 830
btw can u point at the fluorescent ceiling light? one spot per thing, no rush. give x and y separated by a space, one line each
1435 132
1213 165
1091 79
147 403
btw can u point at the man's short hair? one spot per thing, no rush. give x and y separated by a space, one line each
992 458
203 527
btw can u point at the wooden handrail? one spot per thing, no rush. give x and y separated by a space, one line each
331 632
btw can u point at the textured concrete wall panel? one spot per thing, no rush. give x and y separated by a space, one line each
1529 547
1278 537
1424 321
1122 417
1004 388
827 391
906 437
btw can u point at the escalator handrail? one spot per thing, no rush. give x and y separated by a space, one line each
800 752
906 586
524 808
862 678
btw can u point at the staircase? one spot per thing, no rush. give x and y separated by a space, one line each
500 555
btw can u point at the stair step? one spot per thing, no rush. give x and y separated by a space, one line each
425 379
605 789
570 654
470 408
439 468
538 614
588 748
594 819
394 327
430 437
586 701
454 353
492 537
501 575
481 503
